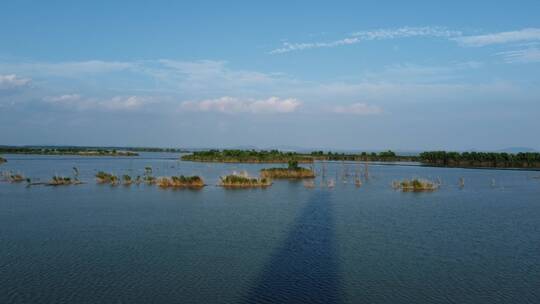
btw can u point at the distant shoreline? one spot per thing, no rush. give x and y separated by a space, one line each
443 159
81 152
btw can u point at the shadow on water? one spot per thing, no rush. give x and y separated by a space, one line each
304 269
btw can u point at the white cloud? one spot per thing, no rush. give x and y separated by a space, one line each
116 103
235 105
358 109
12 81
124 103
528 34
378 34
526 55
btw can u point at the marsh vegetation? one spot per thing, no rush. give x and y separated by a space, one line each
243 180
180 182
415 185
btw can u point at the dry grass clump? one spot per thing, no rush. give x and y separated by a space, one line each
181 182
287 173
415 185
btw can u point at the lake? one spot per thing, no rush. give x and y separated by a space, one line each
287 243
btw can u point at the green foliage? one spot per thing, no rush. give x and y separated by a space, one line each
293 165
240 156
187 179
387 154
481 159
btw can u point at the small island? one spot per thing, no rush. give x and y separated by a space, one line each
243 181
293 171
2 160
181 182
247 156
415 185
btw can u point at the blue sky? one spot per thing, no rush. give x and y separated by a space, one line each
333 75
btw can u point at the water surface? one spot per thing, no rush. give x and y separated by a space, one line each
96 243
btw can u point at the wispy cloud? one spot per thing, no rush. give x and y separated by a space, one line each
13 81
378 34
521 56
523 35
407 32
236 105
191 79
63 99
290 47
357 109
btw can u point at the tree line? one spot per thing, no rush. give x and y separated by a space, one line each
481 159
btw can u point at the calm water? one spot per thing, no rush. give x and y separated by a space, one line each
141 244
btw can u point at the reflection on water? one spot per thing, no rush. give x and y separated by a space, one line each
304 269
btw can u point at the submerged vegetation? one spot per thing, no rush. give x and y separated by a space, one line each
481 159
247 156
292 171
13 177
243 181
415 185
181 182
